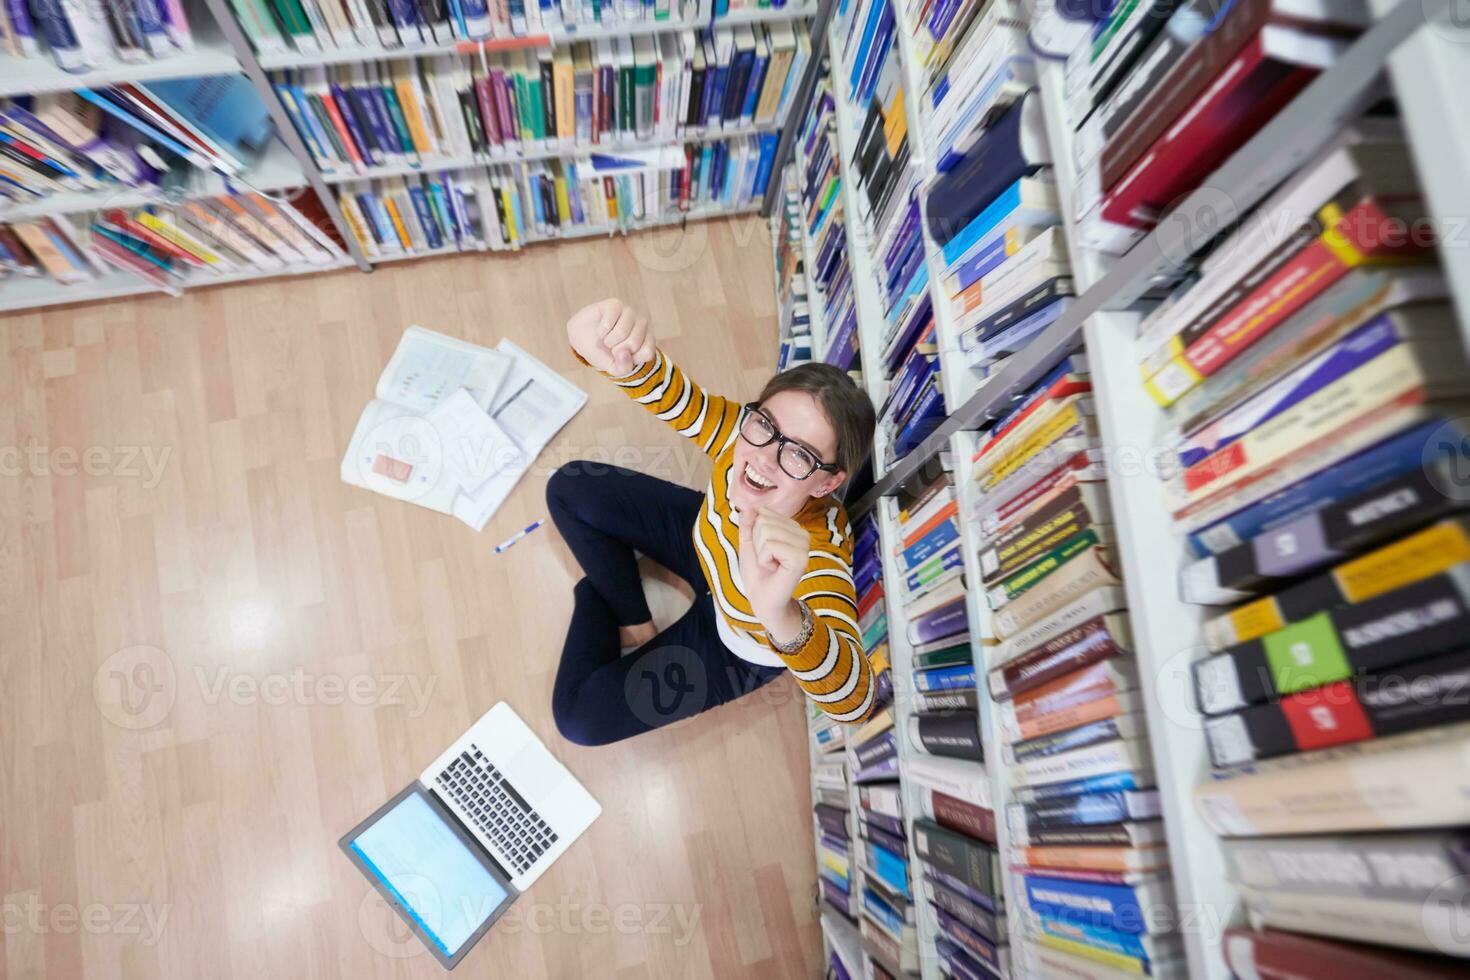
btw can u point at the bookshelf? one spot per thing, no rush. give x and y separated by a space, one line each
1420 48
221 47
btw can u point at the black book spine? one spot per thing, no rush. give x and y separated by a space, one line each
958 856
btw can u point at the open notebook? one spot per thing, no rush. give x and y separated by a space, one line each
454 425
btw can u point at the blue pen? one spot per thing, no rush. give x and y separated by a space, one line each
518 535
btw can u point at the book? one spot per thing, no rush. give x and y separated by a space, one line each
955 854
1061 578
953 734
422 441
1320 537
1417 556
1117 755
1391 783
1128 725
1418 620
1274 954
1104 636
1433 926
1028 538
1414 695
1122 860
1408 867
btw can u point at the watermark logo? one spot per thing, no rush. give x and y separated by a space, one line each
385 930
1445 916
667 687
1446 459
303 687
135 688
402 457
28 914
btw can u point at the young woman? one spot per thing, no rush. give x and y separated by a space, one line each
766 547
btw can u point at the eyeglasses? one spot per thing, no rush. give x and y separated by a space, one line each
795 460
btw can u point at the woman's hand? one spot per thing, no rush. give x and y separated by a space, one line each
773 556
611 336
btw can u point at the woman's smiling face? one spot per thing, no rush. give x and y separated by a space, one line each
757 479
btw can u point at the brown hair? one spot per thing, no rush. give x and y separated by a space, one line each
846 406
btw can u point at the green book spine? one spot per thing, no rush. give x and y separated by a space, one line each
325 119
292 16
949 657
625 98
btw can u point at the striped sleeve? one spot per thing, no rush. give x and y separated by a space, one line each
665 390
832 667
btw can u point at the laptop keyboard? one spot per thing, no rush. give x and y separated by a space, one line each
496 808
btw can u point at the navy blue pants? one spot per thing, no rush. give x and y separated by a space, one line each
606 513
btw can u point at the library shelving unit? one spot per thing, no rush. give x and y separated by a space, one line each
221 47
1422 50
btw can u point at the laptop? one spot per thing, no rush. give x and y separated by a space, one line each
452 850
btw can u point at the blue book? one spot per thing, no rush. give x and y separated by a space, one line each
1087 784
405 17
988 219
919 284
958 677
930 544
732 101
1012 338
49 16
981 263
1089 809
882 911
100 99
953 558
358 111
992 165
22 28
753 88
768 156
225 108
868 33
1395 456
901 346
914 389
714 87
882 49
303 125
380 112
928 415
425 215
1088 902
893 869
950 153
961 963
448 220
369 206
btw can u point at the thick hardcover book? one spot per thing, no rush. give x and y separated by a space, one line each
1316 539
875 750
1117 860
954 734
832 819
882 837
1430 551
960 815
1127 834
976 945
1399 867
948 620
958 654
1419 694
936 701
1096 639
983 921
1118 755
1003 155
1440 925
970 861
945 678
1275 954
1419 779
1419 620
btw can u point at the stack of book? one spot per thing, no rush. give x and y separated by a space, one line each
1087 840
792 296
155 136
867 576
826 229
609 93
961 872
193 242
506 206
834 837
313 26
994 214
1315 392
887 902
1166 92
50 247
93 34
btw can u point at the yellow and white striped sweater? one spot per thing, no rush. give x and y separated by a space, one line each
831 667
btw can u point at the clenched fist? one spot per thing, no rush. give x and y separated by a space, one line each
611 336
773 555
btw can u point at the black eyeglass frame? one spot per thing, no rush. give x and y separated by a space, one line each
781 441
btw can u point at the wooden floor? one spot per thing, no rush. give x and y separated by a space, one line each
217 657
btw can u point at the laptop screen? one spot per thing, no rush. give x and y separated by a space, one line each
432 874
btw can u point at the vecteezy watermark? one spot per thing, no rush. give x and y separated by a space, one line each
135 688
28 914
302 687
387 933
146 463
1445 913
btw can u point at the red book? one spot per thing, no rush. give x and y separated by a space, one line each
489 117
120 219
1091 683
344 135
123 259
870 599
963 817
1269 71
1356 238
1271 954
1079 647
